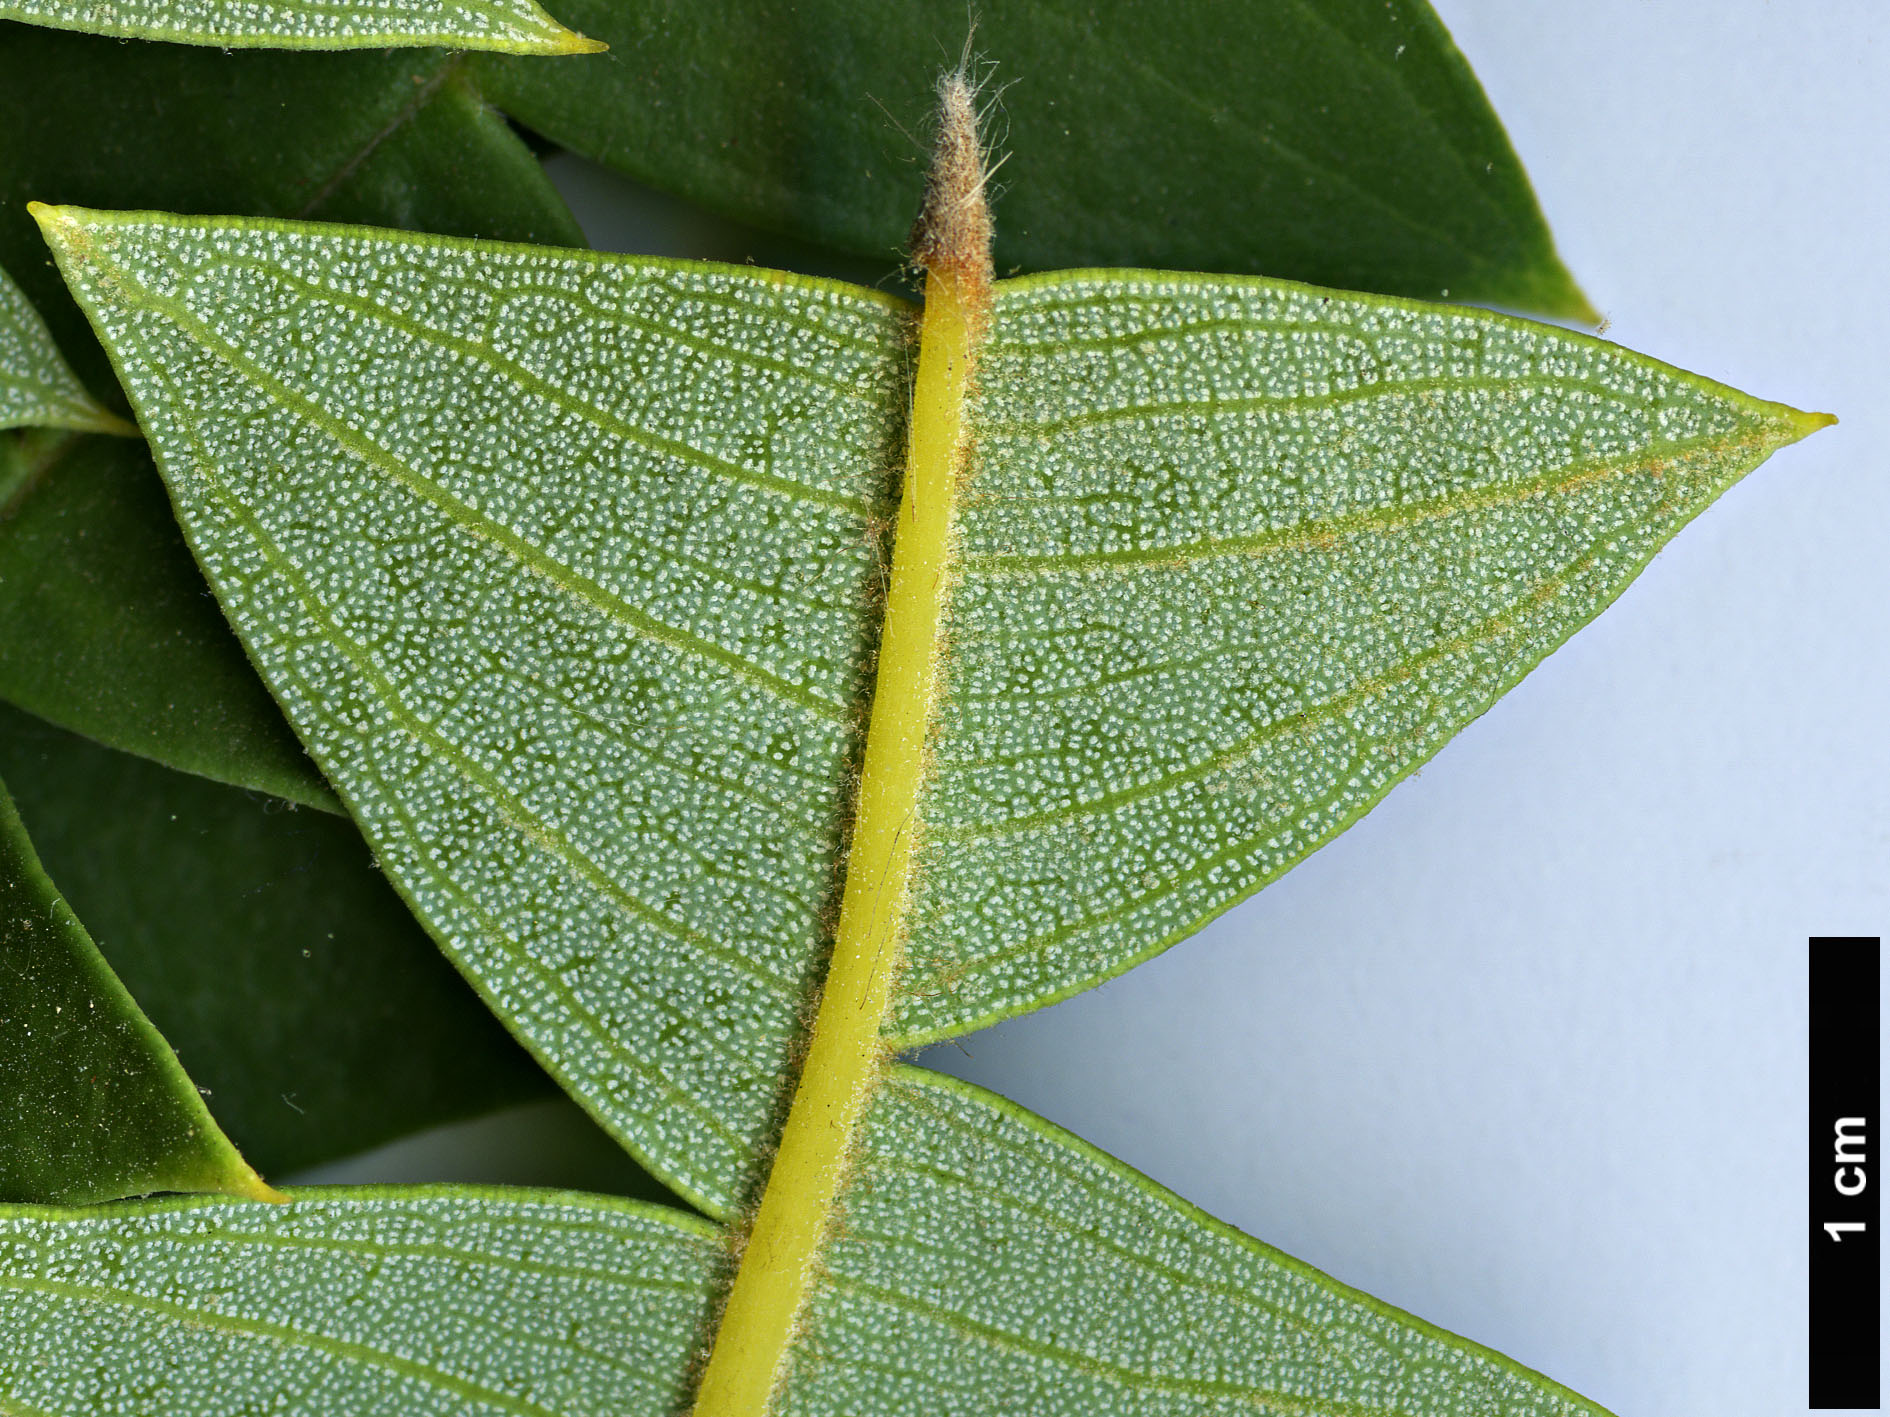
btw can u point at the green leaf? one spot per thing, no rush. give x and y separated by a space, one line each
36 387
312 1009
990 1262
692 612
105 625
1344 142
1237 558
407 140
97 1105
397 139
377 1302
507 26
566 565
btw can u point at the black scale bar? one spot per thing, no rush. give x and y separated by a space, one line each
1846 1174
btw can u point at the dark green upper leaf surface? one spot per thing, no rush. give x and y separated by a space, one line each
1345 143
263 942
93 1103
105 626
397 139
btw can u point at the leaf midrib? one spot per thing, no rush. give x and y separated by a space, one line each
846 1053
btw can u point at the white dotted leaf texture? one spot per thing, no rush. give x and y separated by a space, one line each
36 387
986 1261
509 26
1239 555
565 566
381 1302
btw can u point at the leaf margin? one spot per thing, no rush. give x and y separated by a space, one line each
198 1157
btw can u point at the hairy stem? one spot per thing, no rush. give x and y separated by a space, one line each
846 1053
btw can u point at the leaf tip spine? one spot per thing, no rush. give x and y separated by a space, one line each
251 1187
544 34
1577 307
62 228
1805 424
571 42
49 217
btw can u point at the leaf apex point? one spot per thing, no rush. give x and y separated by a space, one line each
245 1184
269 1195
1583 312
571 42
1794 425
54 221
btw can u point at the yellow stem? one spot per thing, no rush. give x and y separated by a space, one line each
845 1055
846 1051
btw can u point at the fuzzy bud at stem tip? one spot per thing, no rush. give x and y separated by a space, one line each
953 233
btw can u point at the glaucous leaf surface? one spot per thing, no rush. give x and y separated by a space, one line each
105 625
93 1103
565 566
990 1262
36 387
988 1259
508 26
376 1302
313 1011
1237 557
1344 142
589 668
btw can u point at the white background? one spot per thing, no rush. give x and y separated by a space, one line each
1524 1051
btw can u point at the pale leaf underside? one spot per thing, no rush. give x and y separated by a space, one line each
565 566
1239 556
383 1302
509 26
36 387
988 1262
606 756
